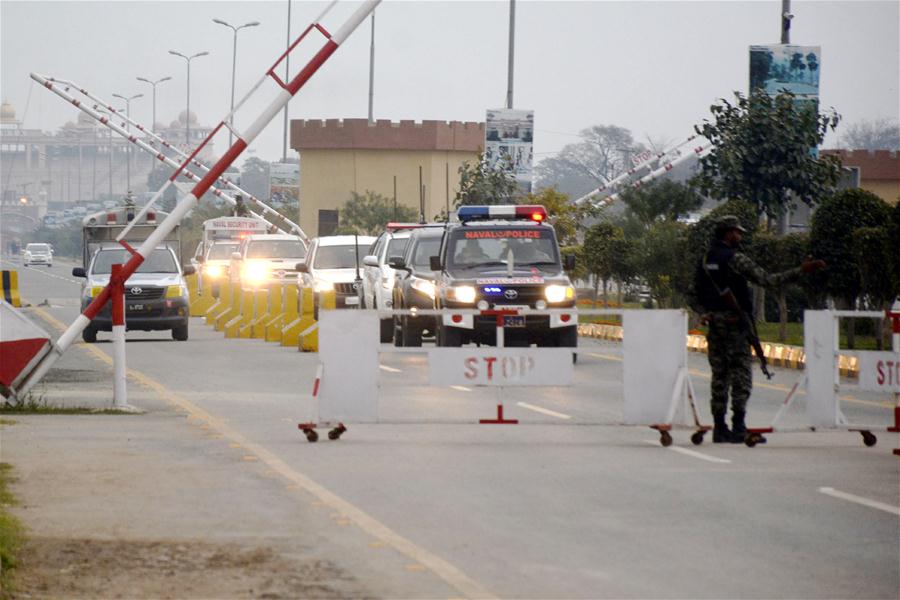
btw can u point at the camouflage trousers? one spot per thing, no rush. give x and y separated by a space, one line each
731 363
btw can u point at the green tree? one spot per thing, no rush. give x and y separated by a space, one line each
479 183
624 265
660 200
598 255
660 262
368 213
566 216
780 253
833 238
761 152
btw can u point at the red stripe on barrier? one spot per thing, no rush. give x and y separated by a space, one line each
127 246
311 67
117 295
219 168
16 356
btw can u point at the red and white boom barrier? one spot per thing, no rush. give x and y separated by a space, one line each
189 201
63 89
665 162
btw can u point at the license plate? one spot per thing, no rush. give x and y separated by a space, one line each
135 307
352 300
516 321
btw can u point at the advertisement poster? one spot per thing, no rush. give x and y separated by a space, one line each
508 143
284 182
783 67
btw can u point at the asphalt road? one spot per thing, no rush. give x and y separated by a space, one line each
568 504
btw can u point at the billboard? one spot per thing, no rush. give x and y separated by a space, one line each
284 182
781 67
508 138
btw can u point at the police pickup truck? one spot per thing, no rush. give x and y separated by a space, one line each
503 258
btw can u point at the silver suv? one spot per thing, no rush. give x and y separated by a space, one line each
156 296
37 254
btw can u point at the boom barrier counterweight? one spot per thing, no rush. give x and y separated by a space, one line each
190 200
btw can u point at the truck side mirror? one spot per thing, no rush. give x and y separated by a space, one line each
189 270
78 272
434 262
569 262
370 261
301 267
397 262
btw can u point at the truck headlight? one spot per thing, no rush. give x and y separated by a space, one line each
427 287
213 271
463 293
255 273
322 286
559 293
175 291
94 291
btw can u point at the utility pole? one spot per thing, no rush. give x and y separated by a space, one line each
372 73
512 52
287 77
786 17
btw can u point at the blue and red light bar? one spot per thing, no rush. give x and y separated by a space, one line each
506 212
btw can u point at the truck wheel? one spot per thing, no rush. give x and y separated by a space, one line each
387 331
89 335
180 333
449 337
411 336
398 332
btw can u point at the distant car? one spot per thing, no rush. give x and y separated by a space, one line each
37 254
414 286
264 259
156 296
378 276
215 266
332 264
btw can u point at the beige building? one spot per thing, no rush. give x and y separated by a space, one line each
879 170
338 157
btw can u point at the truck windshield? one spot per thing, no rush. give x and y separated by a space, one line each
160 260
222 251
276 249
39 248
470 247
396 247
339 257
425 249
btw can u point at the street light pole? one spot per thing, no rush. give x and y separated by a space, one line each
187 113
128 100
233 66
153 83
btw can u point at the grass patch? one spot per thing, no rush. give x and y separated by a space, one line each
7 422
37 405
12 534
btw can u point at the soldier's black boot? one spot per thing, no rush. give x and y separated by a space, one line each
739 429
721 433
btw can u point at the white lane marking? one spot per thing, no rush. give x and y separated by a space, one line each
388 369
860 500
603 356
692 453
545 411
460 388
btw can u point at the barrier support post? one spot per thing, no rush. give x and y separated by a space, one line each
117 297
894 316
11 287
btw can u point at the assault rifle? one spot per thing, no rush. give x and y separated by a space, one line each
753 334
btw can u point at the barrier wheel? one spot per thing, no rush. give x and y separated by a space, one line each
311 436
335 434
697 438
869 438
751 439
665 438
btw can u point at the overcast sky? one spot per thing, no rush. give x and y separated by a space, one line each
653 67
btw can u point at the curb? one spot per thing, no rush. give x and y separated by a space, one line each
782 355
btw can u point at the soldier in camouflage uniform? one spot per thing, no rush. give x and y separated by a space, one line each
722 294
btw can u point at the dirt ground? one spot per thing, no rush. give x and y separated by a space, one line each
88 568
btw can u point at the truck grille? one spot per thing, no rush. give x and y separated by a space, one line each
345 288
524 295
146 292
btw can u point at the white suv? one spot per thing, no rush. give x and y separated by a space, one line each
37 254
332 265
265 259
